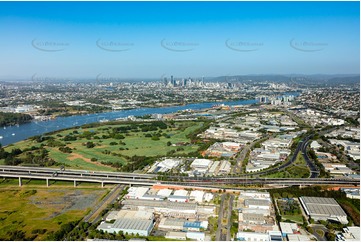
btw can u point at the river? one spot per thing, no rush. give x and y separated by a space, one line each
13 134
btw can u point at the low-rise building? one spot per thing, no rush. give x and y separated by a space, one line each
353 193
176 235
197 196
136 192
289 228
201 165
322 208
142 227
350 234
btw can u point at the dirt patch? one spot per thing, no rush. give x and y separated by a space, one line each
74 156
62 201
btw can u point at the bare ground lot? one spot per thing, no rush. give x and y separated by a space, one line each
32 207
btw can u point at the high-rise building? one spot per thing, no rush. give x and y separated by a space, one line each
172 81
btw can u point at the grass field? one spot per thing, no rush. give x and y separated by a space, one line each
294 218
109 150
33 207
298 169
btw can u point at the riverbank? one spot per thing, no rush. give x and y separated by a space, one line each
15 134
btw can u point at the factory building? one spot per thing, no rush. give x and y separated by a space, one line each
201 165
167 208
136 192
142 227
113 215
197 196
322 208
181 224
257 203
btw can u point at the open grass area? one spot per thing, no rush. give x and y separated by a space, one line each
37 210
298 169
294 218
110 146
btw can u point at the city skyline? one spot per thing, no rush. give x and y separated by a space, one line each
154 39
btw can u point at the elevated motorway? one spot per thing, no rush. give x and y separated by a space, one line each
49 174
81 173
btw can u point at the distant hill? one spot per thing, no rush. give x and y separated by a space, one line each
299 78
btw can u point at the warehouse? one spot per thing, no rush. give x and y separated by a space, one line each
225 167
113 215
136 192
176 235
252 218
197 196
142 227
181 199
252 236
288 228
182 193
200 236
257 203
208 197
171 224
201 164
164 192
212 170
322 208
167 208
164 165
195 226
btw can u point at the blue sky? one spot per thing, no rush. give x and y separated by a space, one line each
152 39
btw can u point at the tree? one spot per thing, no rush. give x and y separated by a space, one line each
169 143
154 137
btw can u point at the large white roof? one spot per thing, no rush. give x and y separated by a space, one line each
201 162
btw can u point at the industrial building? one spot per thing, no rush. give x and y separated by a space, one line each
176 235
197 196
181 224
164 192
350 234
322 208
251 236
353 193
171 224
257 203
166 208
225 167
181 199
114 215
199 236
201 165
142 227
165 165
288 228
208 197
136 192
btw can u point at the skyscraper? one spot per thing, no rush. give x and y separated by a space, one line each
172 81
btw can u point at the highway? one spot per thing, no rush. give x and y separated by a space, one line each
49 174
314 172
82 173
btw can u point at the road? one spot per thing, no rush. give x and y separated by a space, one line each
314 171
319 227
220 218
224 218
216 182
110 198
